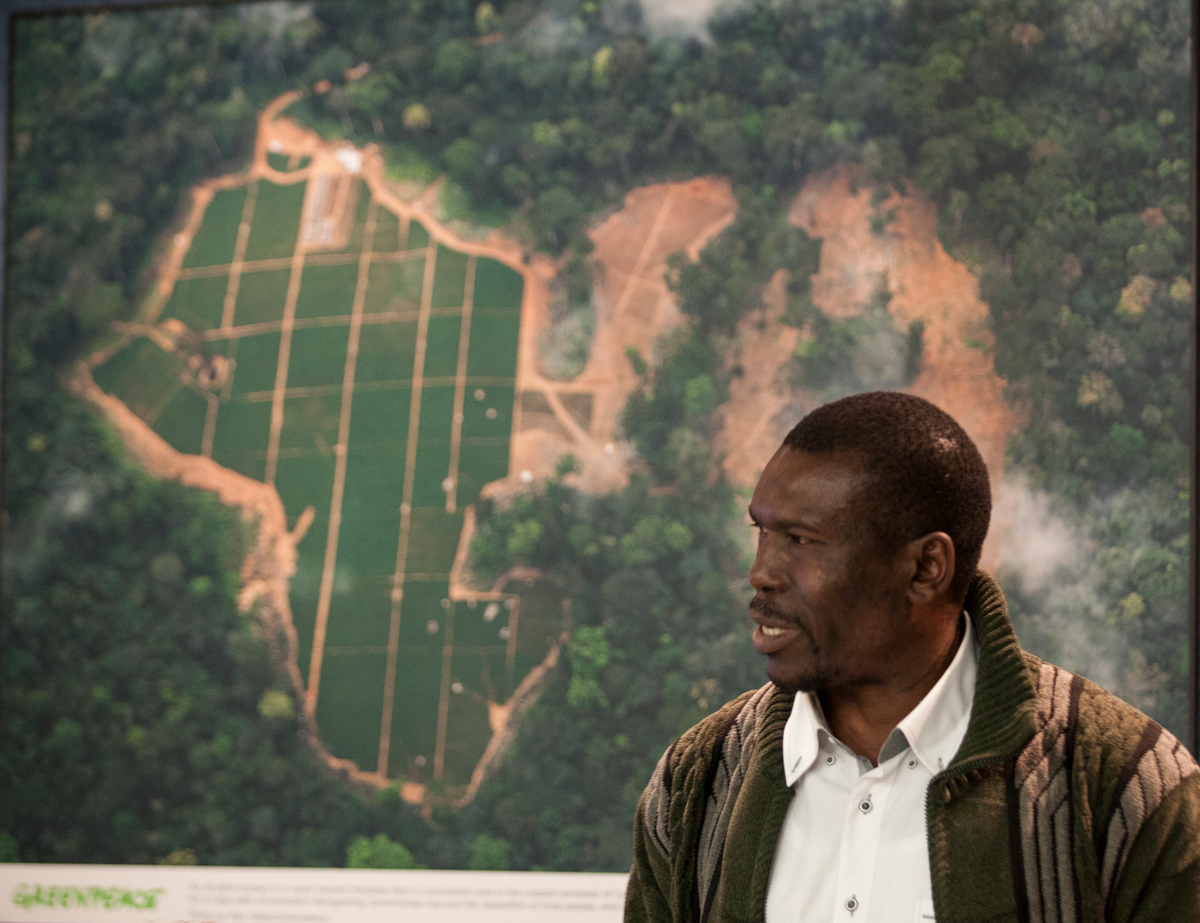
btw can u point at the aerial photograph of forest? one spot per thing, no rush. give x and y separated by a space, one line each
385 382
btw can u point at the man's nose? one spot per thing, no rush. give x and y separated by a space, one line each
765 572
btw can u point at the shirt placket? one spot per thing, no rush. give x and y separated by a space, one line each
860 845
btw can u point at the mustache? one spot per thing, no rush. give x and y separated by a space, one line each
770 611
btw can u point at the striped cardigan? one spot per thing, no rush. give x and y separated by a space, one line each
1063 805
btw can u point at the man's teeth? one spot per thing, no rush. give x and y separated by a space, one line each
768 630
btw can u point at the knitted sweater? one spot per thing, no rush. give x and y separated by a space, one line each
1063 805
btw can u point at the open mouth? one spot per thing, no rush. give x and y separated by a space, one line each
768 639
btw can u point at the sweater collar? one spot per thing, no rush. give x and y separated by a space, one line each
1004 711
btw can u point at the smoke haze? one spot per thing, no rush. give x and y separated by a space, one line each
681 18
1052 564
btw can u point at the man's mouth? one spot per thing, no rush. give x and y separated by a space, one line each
776 629
769 639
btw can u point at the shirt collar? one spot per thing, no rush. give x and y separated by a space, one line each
934 729
800 741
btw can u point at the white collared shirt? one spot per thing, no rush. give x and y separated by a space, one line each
853 847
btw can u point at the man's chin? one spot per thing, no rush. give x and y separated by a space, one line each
792 681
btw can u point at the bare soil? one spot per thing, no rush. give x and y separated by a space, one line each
762 407
634 308
958 373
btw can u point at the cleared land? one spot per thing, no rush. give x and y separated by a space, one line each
371 379
926 284
633 308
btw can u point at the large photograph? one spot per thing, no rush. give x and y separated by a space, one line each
385 384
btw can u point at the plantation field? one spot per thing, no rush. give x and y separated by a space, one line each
372 381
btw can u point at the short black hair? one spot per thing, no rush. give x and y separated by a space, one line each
924 474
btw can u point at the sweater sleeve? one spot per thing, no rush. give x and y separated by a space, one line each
1160 882
647 897
663 879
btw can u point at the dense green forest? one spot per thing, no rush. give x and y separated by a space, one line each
1053 138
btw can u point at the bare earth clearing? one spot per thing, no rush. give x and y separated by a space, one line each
957 373
634 308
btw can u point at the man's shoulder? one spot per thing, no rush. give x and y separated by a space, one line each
1109 739
729 735
735 726
708 763
1097 718
1137 784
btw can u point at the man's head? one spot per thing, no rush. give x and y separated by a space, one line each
923 472
871 518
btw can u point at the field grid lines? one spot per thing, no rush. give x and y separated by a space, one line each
317 340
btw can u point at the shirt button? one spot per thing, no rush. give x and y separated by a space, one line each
830 760
912 764
865 805
852 904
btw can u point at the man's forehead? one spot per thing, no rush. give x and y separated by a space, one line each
791 464
828 481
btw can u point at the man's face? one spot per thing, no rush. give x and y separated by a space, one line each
831 607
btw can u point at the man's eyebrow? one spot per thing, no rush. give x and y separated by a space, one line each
784 524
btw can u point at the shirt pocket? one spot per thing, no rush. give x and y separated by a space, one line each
924 911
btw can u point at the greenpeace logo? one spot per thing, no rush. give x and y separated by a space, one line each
93 898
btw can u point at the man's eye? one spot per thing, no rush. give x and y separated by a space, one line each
799 539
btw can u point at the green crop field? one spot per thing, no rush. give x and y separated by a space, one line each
449 278
288 360
327 291
256 357
261 297
284 164
497 285
395 286
181 421
387 232
276 221
199 302
214 241
418 236
140 375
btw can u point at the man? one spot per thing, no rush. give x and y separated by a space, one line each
907 761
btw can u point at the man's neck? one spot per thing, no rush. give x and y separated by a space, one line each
862 716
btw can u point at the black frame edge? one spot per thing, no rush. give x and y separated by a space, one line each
1194 554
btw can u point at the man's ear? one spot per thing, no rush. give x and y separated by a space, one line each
933 560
